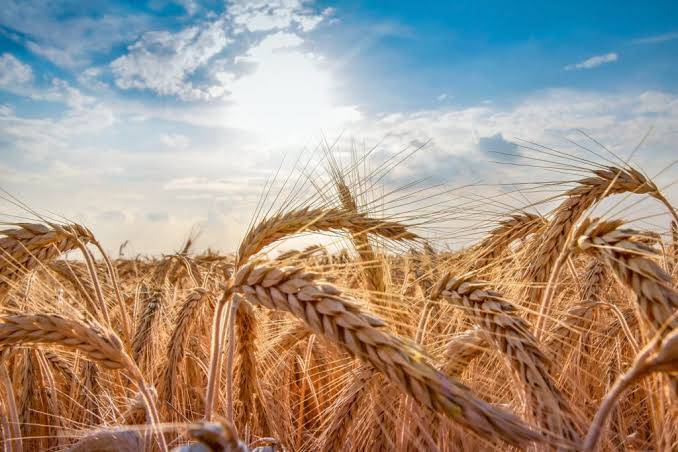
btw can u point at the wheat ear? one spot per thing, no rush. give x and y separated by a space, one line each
320 219
462 349
143 337
323 308
104 347
511 334
373 271
27 245
278 227
27 394
578 318
177 343
245 375
632 264
101 346
516 227
546 247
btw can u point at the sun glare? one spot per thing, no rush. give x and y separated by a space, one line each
288 95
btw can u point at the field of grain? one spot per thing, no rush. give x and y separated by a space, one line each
549 331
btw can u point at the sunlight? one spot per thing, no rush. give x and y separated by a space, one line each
287 97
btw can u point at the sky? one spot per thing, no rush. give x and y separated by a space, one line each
146 119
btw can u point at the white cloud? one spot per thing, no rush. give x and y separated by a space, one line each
191 6
174 140
6 110
62 91
13 72
267 15
267 46
441 97
89 78
657 38
206 185
594 61
67 39
460 138
60 57
189 186
162 61
43 136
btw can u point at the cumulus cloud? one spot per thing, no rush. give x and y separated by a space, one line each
186 186
37 137
496 146
162 61
13 73
266 15
271 43
594 61
89 78
465 137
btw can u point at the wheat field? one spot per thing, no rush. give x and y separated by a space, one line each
547 331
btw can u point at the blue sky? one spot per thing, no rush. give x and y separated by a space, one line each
156 116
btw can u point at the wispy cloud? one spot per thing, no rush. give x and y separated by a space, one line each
594 61
67 38
657 38
13 72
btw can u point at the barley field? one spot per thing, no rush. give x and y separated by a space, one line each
549 329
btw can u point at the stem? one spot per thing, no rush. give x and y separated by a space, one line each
215 351
95 280
590 443
229 358
668 205
11 408
641 367
114 279
6 434
153 413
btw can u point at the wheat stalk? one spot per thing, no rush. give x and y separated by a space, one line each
345 409
276 228
546 247
326 312
511 334
632 264
660 355
103 347
320 219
